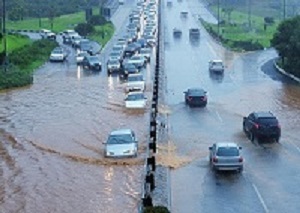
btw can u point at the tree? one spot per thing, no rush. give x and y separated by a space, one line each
286 41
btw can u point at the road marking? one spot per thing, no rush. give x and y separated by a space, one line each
260 199
218 116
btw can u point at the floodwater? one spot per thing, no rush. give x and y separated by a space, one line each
250 83
51 140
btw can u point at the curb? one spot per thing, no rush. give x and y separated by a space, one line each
282 71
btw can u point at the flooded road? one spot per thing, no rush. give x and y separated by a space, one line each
51 136
250 83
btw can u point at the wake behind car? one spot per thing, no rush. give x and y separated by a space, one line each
226 156
263 126
92 63
216 66
195 97
121 143
135 100
58 55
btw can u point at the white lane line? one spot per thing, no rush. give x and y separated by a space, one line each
261 199
219 116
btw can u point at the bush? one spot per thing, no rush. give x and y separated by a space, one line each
97 20
19 72
156 209
84 29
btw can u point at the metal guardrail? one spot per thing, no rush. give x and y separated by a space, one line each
148 184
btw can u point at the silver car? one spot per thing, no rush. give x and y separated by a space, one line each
121 143
226 156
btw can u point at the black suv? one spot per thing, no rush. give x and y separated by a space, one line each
262 125
195 97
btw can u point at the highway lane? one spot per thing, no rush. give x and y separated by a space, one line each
51 137
269 181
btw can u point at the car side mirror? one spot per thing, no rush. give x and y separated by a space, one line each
210 148
240 147
185 92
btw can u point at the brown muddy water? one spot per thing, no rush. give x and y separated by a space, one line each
51 149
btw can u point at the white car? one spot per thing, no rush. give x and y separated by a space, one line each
113 65
146 52
58 54
135 100
138 60
135 82
216 66
121 143
80 56
47 34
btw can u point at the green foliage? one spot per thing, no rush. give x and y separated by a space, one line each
97 20
156 209
23 61
287 42
84 29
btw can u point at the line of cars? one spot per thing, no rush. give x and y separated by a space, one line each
128 58
259 126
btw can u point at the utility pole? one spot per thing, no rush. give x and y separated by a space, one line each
4 34
249 13
218 17
284 9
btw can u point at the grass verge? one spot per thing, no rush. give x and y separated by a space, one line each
237 33
14 42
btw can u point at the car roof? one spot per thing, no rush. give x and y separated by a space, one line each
217 60
226 144
135 74
264 114
121 132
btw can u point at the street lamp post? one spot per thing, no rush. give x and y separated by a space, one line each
4 33
218 17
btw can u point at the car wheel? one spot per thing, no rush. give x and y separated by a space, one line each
244 128
251 136
240 170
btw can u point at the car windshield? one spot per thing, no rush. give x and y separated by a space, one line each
217 63
119 139
135 78
57 51
116 54
113 62
136 58
94 59
134 97
227 151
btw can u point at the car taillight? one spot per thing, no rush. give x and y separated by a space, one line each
190 98
204 98
278 125
215 159
256 126
241 159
